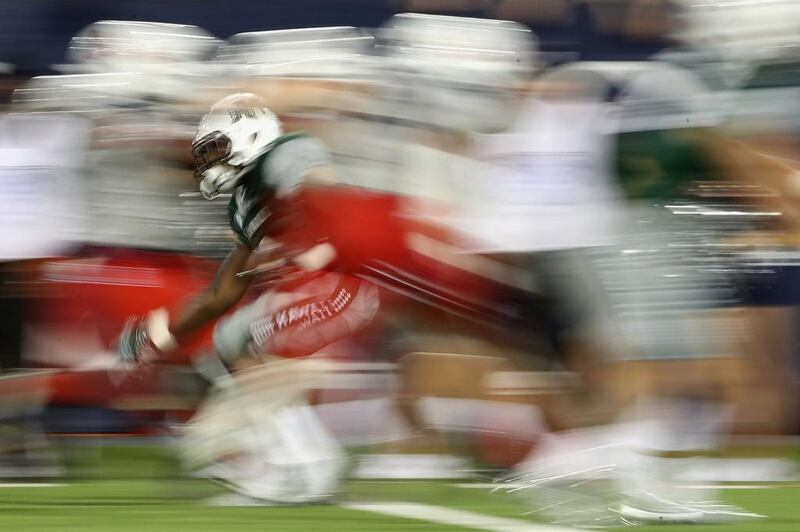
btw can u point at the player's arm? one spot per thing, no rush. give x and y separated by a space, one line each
743 162
226 290
146 338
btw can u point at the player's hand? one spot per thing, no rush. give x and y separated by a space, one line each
135 347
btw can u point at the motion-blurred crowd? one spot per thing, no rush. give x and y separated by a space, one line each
601 231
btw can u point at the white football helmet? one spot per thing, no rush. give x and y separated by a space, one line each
742 32
234 133
456 72
169 60
329 52
125 46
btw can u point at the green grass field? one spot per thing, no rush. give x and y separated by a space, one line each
139 490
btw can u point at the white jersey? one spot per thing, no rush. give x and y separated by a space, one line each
40 188
138 188
135 190
546 182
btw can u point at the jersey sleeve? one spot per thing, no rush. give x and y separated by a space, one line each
289 164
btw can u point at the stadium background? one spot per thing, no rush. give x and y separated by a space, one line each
34 37
757 374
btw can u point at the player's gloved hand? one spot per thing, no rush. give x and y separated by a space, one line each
145 339
134 346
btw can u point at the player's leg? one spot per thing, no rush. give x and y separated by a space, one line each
258 434
257 431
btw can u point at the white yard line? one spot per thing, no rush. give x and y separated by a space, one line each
235 500
446 516
488 486
30 485
732 486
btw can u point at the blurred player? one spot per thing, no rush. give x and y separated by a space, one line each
442 79
398 138
258 432
84 133
554 167
395 124
127 87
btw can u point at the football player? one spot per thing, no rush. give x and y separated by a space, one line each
257 432
101 134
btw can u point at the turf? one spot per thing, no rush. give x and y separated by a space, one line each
141 490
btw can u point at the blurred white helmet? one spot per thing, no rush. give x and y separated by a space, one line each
457 72
327 52
235 132
169 59
116 45
741 30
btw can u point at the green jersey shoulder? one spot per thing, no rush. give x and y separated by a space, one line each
276 174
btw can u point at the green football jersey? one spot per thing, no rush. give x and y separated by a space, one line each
276 174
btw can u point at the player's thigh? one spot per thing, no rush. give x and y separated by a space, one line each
336 306
299 321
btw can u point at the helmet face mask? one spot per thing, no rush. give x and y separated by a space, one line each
210 149
211 153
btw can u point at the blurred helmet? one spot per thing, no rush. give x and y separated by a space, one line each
307 52
457 72
741 30
115 45
169 59
235 132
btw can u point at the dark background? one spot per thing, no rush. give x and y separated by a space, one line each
34 33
